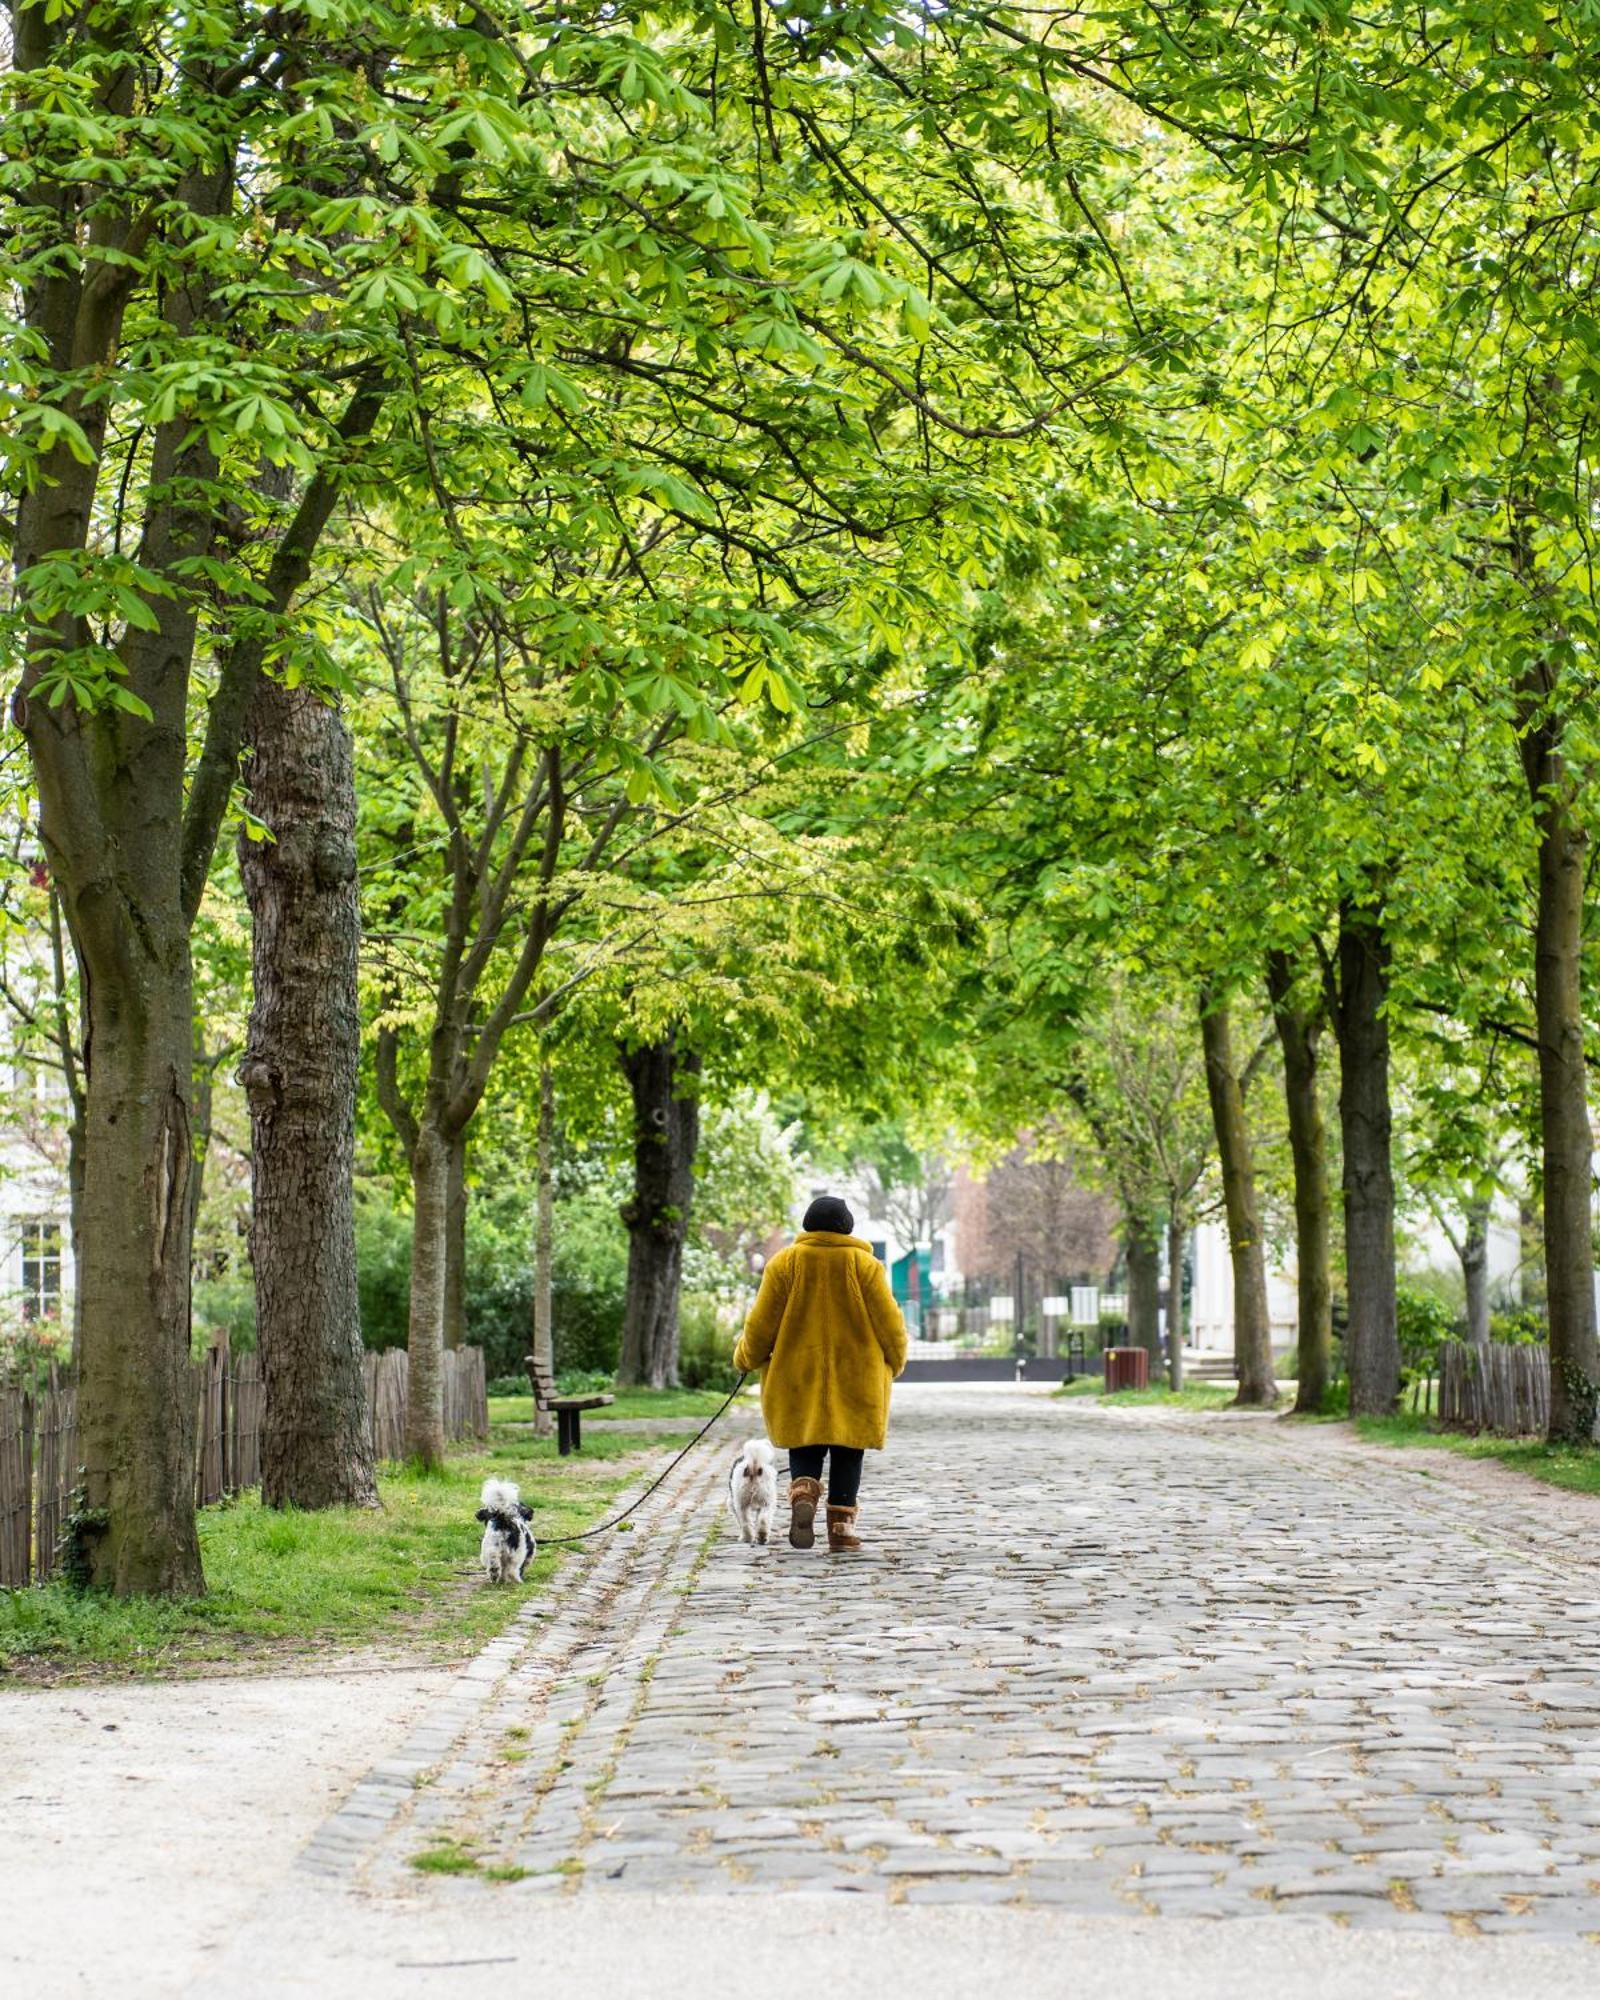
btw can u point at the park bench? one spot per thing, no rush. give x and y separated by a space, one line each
568 1409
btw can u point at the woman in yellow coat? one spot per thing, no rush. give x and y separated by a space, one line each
827 1332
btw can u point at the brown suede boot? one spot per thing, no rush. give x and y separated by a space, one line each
840 1522
803 1497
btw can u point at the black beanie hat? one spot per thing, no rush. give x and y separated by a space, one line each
829 1212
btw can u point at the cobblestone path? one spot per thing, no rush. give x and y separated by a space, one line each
1102 1661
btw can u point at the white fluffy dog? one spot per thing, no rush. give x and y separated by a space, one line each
507 1546
753 1490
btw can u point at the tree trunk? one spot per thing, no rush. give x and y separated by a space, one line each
430 1185
1372 1342
666 1131
1144 1287
455 1263
1564 1114
135 1532
544 1319
69 1050
1174 1304
1474 1253
1299 1031
75 1152
1252 1328
1566 1139
299 1075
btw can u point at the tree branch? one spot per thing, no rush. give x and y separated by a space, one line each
230 703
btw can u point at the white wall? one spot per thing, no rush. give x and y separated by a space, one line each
1211 1309
1211 1327
33 1181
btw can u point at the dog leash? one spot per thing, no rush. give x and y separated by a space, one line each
566 1541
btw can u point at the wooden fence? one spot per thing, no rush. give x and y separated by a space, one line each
1499 1388
39 1465
16 1485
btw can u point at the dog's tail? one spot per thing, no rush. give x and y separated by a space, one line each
499 1496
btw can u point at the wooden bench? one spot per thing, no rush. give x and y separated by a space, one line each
568 1409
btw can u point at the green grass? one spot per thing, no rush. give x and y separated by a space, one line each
700 1403
285 1587
1192 1396
1570 1467
448 1858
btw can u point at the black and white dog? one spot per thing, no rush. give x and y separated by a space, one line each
507 1547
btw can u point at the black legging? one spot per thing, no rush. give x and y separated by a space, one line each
844 1469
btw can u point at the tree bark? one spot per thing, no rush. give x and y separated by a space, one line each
544 1321
1372 1341
1299 1033
666 1129
299 1074
455 1266
1567 1144
200 1103
430 1195
68 1036
1174 1304
75 1150
135 1532
1144 1287
1252 1327
1474 1254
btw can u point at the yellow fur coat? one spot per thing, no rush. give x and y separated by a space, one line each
827 1332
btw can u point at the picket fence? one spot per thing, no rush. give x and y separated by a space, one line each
39 1464
1499 1388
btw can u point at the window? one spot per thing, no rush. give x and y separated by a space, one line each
41 1268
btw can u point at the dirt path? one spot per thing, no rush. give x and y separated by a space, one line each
138 1823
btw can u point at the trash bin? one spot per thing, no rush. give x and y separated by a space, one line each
1126 1368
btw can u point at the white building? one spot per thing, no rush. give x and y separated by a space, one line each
36 1275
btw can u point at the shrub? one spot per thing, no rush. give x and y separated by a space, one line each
225 1304
1335 1399
30 1347
1424 1323
383 1269
590 1277
1522 1326
705 1345
585 1381
590 1283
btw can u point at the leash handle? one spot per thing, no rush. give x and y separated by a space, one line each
568 1541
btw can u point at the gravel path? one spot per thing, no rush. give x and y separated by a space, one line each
1095 1661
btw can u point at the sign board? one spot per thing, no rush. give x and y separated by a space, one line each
1054 1308
1002 1308
1086 1305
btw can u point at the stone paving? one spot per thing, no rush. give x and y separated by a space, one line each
1102 1661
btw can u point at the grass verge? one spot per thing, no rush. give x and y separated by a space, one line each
700 1403
1192 1396
289 1588
1567 1466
